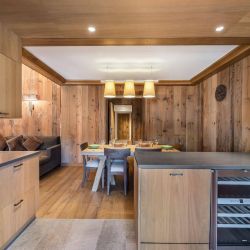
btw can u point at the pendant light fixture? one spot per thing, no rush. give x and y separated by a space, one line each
109 90
129 89
149 89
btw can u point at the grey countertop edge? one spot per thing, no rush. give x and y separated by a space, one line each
194 167
18 158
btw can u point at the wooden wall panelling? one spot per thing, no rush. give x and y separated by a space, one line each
209 114
224 138
166 117
83 118
236 80
45 116
246 104
193 119
226 124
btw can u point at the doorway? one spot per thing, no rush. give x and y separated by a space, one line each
125 119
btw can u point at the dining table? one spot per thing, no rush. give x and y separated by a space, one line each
99 153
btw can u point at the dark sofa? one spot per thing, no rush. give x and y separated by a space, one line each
50 157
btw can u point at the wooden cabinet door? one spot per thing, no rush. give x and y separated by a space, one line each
175 206
11 88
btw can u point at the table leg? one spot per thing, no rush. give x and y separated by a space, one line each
112 180
98 174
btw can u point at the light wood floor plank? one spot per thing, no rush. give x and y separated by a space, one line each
61 196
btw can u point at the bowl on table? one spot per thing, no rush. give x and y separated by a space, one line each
167 147
94 146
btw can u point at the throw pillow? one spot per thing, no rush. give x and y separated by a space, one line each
32 143
16 144
3 143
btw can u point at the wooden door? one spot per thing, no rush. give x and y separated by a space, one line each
175 206
123 126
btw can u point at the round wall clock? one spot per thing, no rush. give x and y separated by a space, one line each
221 92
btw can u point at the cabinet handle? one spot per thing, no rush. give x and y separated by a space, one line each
4 113
176 174
18 203
16 167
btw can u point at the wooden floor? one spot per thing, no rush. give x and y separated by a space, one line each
61 196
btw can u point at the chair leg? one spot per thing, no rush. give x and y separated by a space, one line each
84 176
125 182
108 182
103 173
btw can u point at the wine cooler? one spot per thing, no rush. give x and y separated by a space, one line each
233 209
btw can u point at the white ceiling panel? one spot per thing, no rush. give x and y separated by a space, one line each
129 62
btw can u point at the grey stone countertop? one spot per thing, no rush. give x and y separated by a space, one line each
8 157
193 160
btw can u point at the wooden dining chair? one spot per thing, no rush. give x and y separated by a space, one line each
89 164
117 164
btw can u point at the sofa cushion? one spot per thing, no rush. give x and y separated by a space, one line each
3 144
44 159
16 143
32 143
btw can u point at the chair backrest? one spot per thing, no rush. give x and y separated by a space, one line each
148 149
117 154
84 146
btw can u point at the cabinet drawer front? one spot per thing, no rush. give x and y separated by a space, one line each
175 206
7 224
25 176
6 190
24 208
31 173
17 180
174 247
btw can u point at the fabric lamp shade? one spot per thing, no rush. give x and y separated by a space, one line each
109 90
149 89
129 89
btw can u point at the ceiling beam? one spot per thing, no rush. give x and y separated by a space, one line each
36 64
135 41
233 56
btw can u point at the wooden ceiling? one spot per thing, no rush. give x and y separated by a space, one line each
126 19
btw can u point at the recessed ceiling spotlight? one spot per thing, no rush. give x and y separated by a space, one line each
219 28
91 29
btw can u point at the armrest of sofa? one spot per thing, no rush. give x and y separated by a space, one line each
54 149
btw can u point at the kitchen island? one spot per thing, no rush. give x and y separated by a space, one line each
183 201
19 192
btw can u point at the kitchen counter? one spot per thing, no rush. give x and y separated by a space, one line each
193 160
8 157
19 192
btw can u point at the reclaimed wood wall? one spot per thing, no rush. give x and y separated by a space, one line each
226 124
172 117
45 118
83 119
